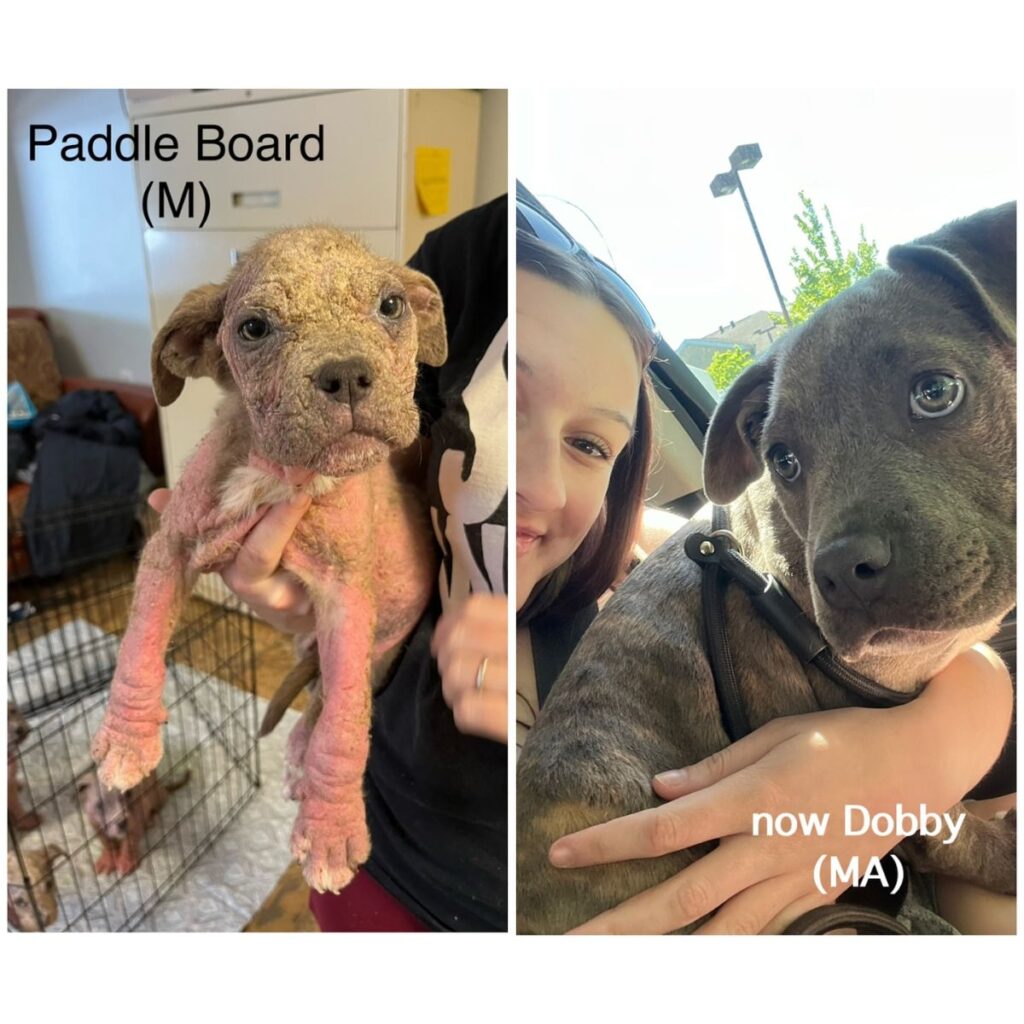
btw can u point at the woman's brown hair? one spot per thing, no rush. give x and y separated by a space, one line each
605 553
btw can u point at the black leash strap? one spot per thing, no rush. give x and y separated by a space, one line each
718 553
704 550
865 920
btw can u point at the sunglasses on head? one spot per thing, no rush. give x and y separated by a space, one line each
539 223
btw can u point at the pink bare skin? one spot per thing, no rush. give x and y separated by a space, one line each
315 341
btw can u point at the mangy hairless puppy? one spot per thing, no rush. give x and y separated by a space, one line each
869 464
120 819
315 341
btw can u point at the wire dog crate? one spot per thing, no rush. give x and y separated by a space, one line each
63 636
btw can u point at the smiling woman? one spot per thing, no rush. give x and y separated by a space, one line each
583 448
578 378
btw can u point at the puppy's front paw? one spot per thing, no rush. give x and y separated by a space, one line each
331 841
126 863
125 759
106 863
1001 850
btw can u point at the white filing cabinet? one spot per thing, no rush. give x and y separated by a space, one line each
365 184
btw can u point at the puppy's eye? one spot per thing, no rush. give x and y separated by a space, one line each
392 307
935 394
256 328
784 462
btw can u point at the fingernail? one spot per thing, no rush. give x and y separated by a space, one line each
561 856
673 778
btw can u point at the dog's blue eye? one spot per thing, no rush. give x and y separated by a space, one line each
392 307
935 394
254 329
784 462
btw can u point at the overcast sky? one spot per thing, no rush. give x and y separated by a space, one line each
640 163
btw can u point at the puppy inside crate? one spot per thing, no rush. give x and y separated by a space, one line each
79 856
82 858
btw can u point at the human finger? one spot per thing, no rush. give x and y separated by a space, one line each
712 813
752 911
722 763
481 622
482 713
158 499
280 593
472 670
796 908
687 897
261 551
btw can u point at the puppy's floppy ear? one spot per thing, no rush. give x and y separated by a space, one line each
978 257
186 345
425 300
731 461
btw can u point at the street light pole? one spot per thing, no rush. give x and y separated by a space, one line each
743 158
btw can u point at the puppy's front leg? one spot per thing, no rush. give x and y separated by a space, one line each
985 852
127 746
106 863
298 744
330 837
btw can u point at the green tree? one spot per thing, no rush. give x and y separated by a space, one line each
726 366
820 273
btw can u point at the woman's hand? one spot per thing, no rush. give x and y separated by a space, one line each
256 576
930 751
465 638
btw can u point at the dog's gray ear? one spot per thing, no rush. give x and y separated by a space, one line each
425 300
731 461
186 346
978 257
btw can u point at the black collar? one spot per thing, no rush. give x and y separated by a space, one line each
718 553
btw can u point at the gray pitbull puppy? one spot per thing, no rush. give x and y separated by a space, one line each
868 462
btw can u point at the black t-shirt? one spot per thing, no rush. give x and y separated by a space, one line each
436 800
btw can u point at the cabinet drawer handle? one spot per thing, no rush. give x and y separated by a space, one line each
256 199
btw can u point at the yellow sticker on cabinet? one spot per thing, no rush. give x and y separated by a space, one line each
433 179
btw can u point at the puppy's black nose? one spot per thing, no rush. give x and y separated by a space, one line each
348 380
851 571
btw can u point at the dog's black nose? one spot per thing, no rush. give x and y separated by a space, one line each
348 380
851 571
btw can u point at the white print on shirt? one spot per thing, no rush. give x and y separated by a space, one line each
472 502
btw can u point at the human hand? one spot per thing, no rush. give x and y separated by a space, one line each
464 638
256 576
814 763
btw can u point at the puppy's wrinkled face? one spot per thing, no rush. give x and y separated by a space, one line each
320 338
889 441
321 341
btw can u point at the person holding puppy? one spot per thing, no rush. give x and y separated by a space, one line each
583 448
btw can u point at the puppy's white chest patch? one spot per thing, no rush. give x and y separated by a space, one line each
248 487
